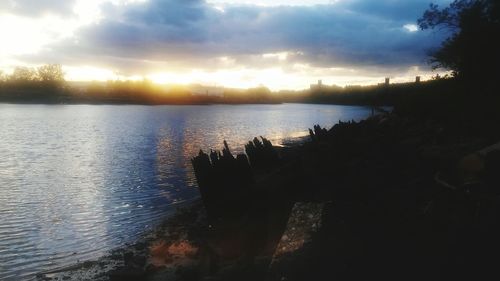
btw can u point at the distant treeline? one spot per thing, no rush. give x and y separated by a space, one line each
42 84
146 92
46 85
440 97
373 95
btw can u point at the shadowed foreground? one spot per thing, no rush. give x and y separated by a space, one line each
392 197
403 199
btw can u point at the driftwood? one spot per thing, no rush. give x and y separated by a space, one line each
318 133
262 155
226 181
223 180
247 216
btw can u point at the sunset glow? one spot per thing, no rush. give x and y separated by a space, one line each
226 43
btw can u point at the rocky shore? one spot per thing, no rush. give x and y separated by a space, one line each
389 197
404 198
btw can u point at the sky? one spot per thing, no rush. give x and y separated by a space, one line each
281 44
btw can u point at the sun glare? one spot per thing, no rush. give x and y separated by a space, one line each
25 35
21 36
275 78
89 73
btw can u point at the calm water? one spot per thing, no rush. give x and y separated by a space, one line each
79 180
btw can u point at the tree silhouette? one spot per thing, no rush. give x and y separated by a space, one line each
23 74
51 73
472 50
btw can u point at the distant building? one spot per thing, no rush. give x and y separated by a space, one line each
417 79
200 90
387 80
318 86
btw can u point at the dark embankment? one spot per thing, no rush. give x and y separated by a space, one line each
410 195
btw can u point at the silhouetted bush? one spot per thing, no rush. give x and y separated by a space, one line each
471 51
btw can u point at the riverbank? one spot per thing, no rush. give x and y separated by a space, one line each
178 249
389 197
145 257
405 198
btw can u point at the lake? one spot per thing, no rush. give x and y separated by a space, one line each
79 180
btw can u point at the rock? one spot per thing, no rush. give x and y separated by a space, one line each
128 257
470 166
127 274
188 273
151 268
88 264
115 256
139 260
140 246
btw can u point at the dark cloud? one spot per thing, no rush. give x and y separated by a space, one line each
192 33
169 13
408 10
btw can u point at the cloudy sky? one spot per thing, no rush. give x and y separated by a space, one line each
283 44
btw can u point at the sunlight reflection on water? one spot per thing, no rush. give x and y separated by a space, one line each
79 180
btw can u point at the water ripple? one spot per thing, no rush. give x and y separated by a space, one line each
79 180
